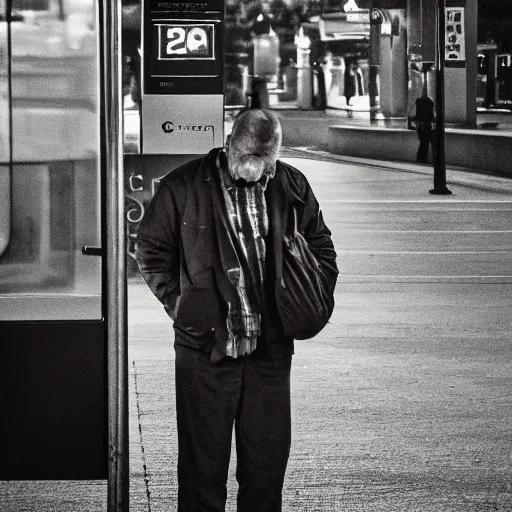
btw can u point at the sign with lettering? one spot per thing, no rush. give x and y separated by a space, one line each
195 127
183 6
182 76
361 16
180 41
337 26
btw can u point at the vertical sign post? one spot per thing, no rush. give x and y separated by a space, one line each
439 154
115 243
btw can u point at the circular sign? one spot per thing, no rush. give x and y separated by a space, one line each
168 127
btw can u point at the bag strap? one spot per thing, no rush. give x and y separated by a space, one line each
279 203
277 208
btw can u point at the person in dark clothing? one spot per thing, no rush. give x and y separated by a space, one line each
350 82
208 247
425 120
262 24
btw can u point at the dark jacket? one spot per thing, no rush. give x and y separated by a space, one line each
425 112
185 252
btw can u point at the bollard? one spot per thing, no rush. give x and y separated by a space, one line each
337 83
320 99
259 93
304 88
290 82
304 74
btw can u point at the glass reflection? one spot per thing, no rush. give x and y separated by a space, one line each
53 173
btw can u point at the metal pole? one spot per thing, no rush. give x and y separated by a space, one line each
439 153
374 60
118 449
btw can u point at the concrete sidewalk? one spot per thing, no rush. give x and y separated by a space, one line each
396 421
402 404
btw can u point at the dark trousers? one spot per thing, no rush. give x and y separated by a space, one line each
251 392
426 139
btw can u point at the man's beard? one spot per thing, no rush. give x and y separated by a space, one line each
248 169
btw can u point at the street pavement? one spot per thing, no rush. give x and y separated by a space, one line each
403 402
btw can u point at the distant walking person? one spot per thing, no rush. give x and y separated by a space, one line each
425 122
235 247
350 82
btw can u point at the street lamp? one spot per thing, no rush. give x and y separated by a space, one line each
439 153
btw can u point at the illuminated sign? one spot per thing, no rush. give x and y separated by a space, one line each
334 27
361 16
179 5
182 52
189 42
182 105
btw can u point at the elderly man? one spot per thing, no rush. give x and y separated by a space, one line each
208 247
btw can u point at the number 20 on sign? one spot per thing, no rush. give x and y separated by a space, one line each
185 42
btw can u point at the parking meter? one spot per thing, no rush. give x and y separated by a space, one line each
182 108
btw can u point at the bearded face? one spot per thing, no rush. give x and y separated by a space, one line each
254 145
249 162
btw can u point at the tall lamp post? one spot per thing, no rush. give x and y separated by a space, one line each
439 153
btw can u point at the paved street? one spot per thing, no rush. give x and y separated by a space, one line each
403 402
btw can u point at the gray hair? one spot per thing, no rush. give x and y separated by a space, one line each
258 127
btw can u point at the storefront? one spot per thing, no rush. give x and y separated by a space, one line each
340 43
313 54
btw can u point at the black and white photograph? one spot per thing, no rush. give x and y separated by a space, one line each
256 255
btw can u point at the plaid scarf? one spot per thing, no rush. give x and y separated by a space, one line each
247 212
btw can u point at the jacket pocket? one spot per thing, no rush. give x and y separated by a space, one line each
198 310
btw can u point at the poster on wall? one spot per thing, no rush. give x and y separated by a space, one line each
454 34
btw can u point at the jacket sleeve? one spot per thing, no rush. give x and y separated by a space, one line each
318 235
157 248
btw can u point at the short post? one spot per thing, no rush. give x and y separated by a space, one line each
321 98
304 72
439 153
259 93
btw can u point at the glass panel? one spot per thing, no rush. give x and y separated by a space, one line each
131 45
54 182
5 133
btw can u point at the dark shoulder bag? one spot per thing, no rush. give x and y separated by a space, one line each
304 300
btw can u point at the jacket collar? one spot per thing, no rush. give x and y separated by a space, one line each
208 174
279 199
